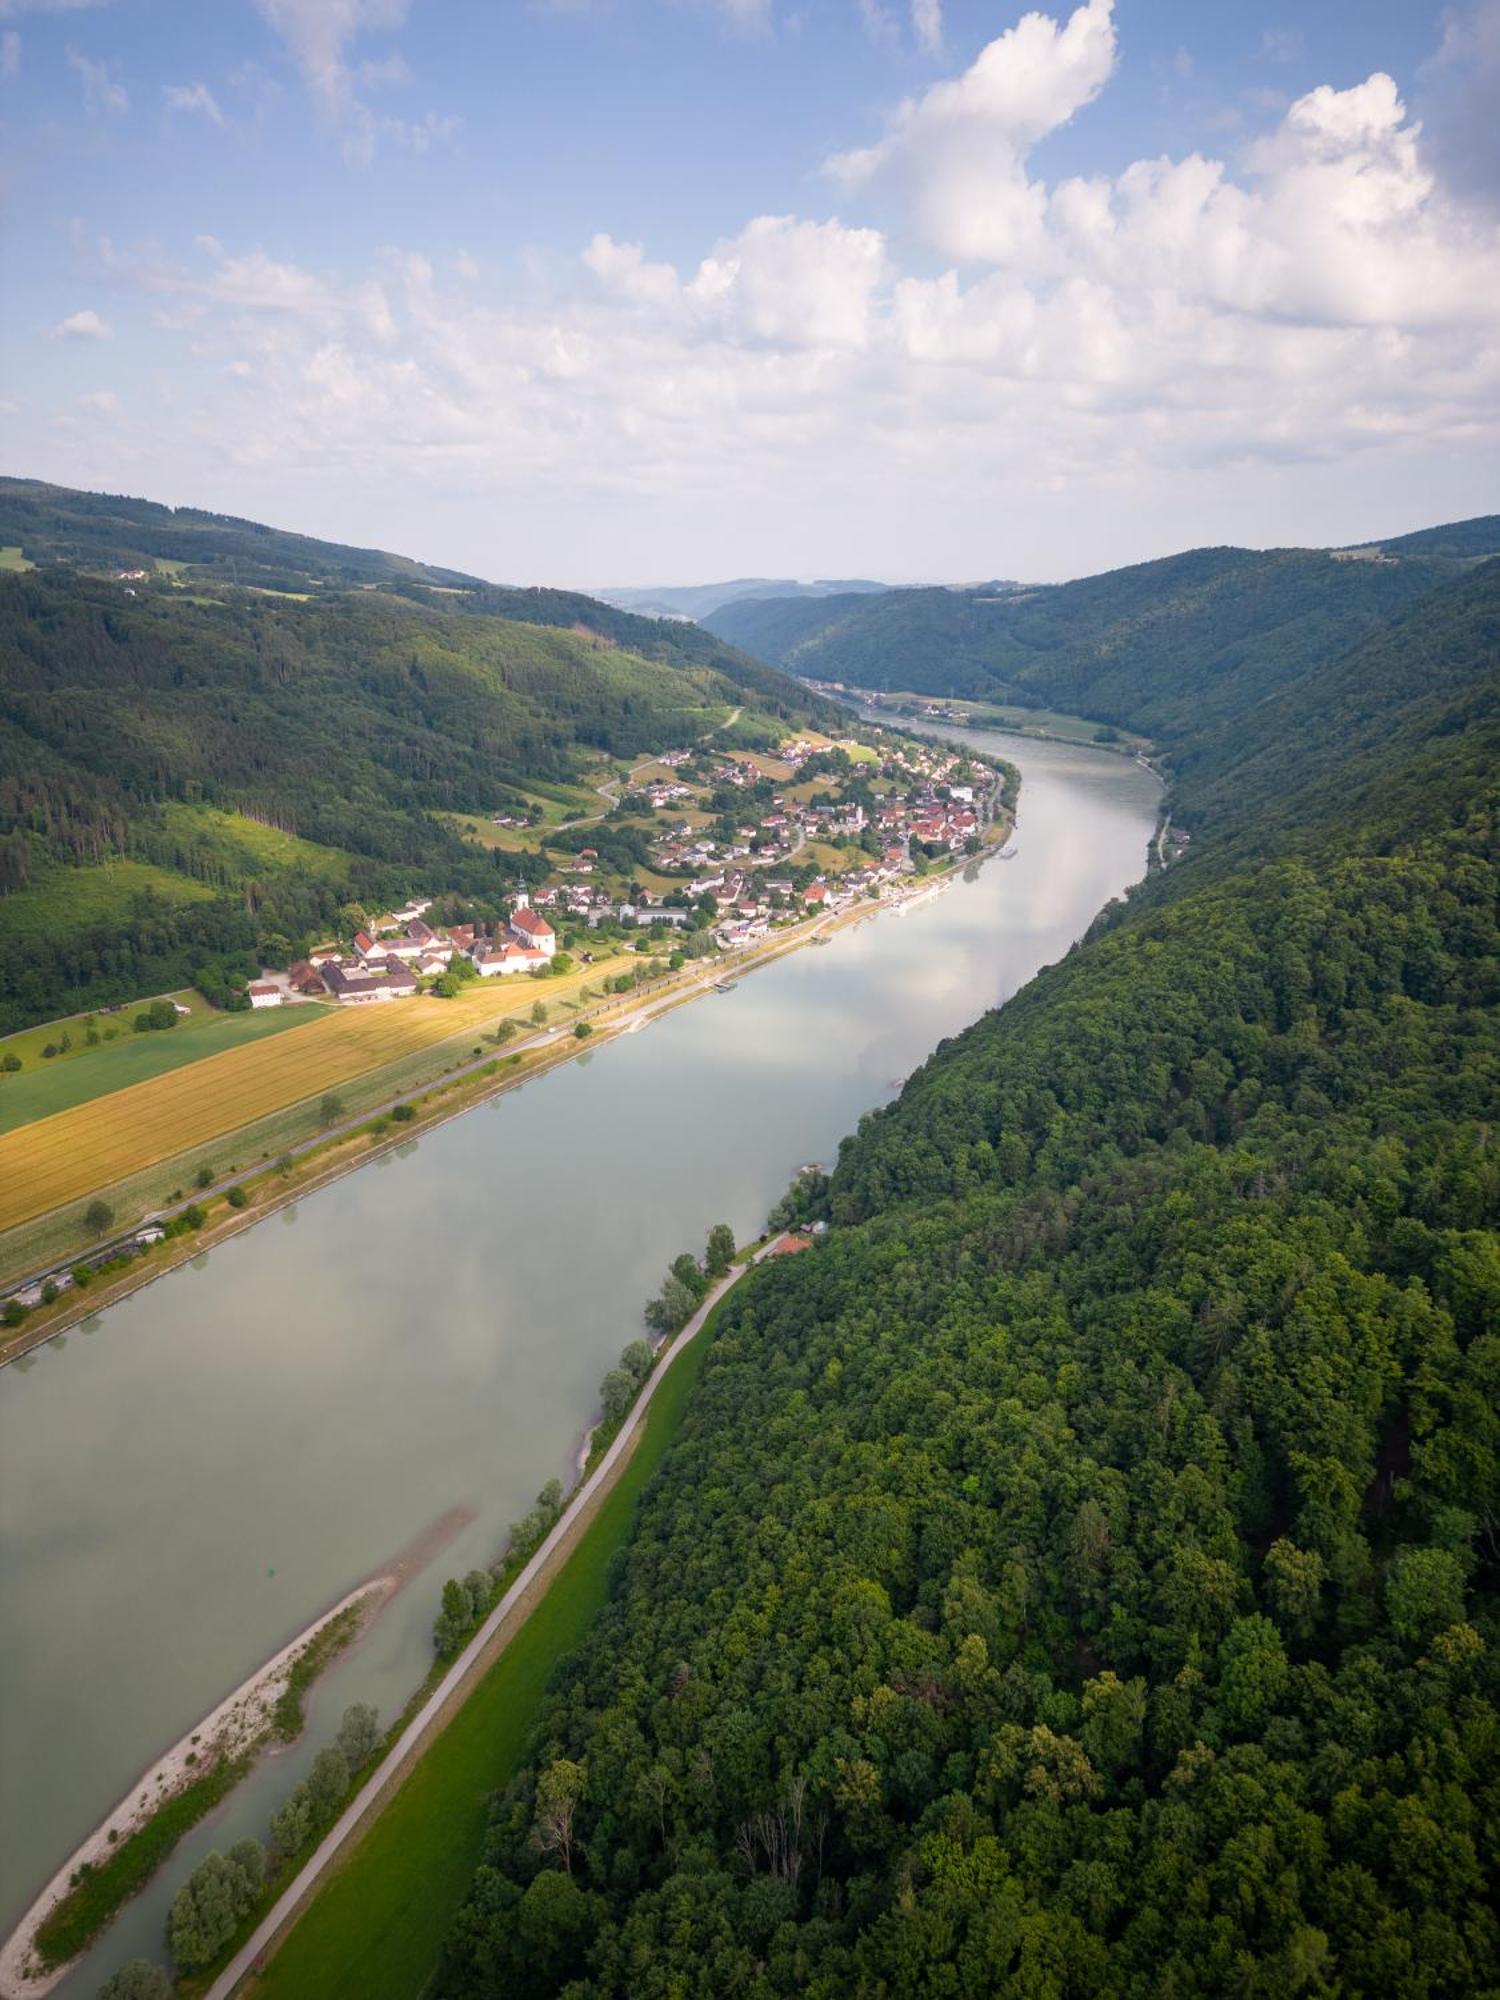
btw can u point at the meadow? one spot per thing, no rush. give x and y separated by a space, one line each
64 1158
50 1084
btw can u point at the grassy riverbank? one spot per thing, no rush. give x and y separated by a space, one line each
375 1929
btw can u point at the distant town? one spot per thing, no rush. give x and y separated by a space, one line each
736 844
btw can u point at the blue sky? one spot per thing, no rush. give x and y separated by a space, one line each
649 290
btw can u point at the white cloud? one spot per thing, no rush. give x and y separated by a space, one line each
86 325
192 97
1319 315
955 155
100 90
927 24
320 36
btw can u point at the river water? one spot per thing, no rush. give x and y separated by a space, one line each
187 1481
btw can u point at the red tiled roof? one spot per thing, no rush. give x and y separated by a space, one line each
529 922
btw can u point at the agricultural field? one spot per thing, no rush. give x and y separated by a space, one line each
68 1156
12 559
58 1083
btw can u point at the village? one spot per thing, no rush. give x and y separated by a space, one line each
700 851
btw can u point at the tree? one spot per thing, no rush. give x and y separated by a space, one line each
10 1062
582 1030
330 1108
689 1274
455 1621
538 1012
237 1197
1424 1592
558 1791
292 1824
204 1178
141 1979
359 1734
327 1782
720 1255
1294 1585
98 1217
211 1902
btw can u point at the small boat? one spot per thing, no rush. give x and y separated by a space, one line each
725 985
1007 854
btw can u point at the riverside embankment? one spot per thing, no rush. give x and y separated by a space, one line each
193 1475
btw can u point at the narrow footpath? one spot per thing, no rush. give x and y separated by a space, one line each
456 1682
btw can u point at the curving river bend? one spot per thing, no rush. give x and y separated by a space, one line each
188 1480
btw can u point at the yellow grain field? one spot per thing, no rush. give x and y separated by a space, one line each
65 1157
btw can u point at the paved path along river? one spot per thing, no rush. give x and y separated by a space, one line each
188 1480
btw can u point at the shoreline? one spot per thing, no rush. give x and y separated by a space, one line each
552 1049
479 1654
240 1725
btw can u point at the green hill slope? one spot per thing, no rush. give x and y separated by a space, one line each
174 725
1078 1574
1192 640
110 532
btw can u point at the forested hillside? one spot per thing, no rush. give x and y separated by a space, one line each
1164 647
264 760
109 531
1078 1574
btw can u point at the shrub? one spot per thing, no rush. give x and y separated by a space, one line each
403 1114
237 1197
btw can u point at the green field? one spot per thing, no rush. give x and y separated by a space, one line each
375 1929
264 847
45 1086
11 558
58 899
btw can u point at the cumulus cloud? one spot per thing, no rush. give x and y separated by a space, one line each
1321 300
100 90
87 325
956 155
192 97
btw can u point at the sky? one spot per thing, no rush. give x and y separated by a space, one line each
597 292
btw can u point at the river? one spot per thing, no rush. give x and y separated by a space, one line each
189 1479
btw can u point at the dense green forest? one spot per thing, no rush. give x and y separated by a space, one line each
1078 1574
109 531
265 760
1174 644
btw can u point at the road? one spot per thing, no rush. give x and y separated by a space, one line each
410 1745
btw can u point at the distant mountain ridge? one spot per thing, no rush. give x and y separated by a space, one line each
111 531
1199 635
698 600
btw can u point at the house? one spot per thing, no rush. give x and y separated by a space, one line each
531 930
263 994
789 1245
354 985
365 945
493 961
306 979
